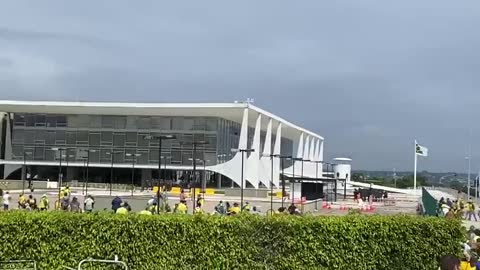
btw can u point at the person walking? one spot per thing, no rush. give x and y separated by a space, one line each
182 195
22 201
246 207
182 207
88 204
75 205
32 202
7 199
44 203
65 202
116 203
471 210
220 208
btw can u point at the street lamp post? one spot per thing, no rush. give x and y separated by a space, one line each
194 144
133 156
271 180
88 165
283 158
242 151
221 159
112 156
24 174
60 150
159 138
469 183
293 181
165 167
203 180
67 156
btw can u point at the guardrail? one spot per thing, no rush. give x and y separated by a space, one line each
91 261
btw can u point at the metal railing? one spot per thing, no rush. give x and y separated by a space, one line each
90 261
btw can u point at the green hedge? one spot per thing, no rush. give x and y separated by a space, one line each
244 242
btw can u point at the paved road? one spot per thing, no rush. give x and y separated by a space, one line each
139 202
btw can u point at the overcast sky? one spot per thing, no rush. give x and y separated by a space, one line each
369 76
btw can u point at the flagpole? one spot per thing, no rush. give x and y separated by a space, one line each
415 168
476 186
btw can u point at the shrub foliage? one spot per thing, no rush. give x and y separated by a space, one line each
243 242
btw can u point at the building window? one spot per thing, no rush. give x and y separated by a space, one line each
107 121
82 137
94 139
61 121
19 120
29 137
18 136
119 139
131 138
40 120
177 123
107 138
120 122
143 122
50 138
51 121
30 120
71 137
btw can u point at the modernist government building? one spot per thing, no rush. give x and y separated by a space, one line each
116 137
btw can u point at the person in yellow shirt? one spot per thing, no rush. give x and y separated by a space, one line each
182 207
247 207
468 265
22 200
145 212
199 209
235 210
123 210
44 203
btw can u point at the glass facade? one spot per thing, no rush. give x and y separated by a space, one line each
106 135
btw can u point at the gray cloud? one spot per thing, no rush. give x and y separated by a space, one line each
370 76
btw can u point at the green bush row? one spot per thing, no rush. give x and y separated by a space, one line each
242 242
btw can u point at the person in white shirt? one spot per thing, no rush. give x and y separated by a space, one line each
89 204
6 201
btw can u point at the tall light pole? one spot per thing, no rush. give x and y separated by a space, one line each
293 181
160 138
112 156
283 158
88 165
60 151
133 156
203 182
221 159
194 151
67 157
24 171
165 167
242 151
469 159
271 180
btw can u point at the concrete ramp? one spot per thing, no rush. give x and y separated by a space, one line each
387 189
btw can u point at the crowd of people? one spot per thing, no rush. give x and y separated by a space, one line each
158 203
469 259
458 209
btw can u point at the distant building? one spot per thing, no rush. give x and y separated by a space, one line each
105 135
